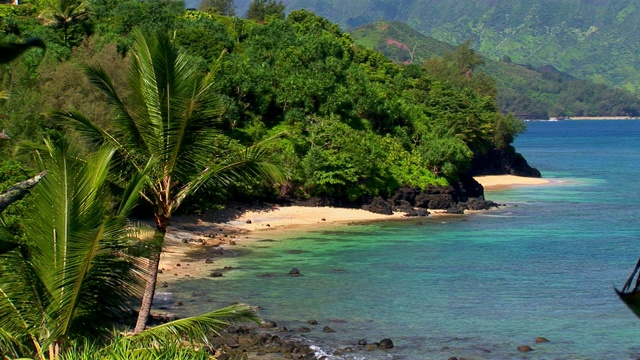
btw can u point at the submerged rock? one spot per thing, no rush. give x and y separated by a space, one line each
386 344
524 348
328 329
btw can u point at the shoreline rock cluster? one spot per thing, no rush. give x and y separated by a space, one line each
261 342
466 194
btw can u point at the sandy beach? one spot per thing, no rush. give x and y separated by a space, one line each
191 240
493 182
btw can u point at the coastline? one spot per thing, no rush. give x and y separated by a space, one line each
209 245
195 245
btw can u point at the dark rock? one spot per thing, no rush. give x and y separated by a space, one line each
362 342
268 324
502 161
208 261
177 265
456 209
422 212
304 329
406 208
248 221
386 344
328 329
232 343
379 206
283 329
216 274
480 204
524 348
453 358
312 322
179 303
405 195
540 339
294 272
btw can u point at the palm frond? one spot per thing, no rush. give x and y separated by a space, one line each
255 163
196 328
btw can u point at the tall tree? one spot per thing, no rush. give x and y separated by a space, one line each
222 7
260 10
169 126
63 14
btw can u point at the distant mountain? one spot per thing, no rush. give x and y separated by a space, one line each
589 39
524 90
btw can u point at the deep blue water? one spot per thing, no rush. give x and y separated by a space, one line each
474 286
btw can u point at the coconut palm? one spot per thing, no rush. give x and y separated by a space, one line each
63 14
72 279
65 279
168 125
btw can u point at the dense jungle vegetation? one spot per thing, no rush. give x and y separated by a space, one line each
347 121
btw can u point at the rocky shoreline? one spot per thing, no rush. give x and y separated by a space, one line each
199 246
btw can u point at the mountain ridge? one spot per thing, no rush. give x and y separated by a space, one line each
589 39
523 90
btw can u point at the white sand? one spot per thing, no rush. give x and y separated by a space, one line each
502 181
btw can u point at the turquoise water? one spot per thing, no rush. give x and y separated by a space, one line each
474 286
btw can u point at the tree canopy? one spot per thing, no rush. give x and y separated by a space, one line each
357 124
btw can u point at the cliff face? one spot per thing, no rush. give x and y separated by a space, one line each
503 162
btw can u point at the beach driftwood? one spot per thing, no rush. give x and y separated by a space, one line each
18 191
631 297
13 194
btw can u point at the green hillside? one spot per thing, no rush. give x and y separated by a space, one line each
589 39
542 91
343 121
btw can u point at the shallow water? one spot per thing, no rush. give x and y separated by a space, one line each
474 286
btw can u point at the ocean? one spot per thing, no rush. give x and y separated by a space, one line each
474 286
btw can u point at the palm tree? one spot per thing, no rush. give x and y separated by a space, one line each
72 278
169 126
63 14
65 279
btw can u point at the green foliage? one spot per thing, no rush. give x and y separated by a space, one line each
220 7
262 10
116 20
66 280
446 155
205 38
342 161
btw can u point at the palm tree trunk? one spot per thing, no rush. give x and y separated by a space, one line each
152 277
